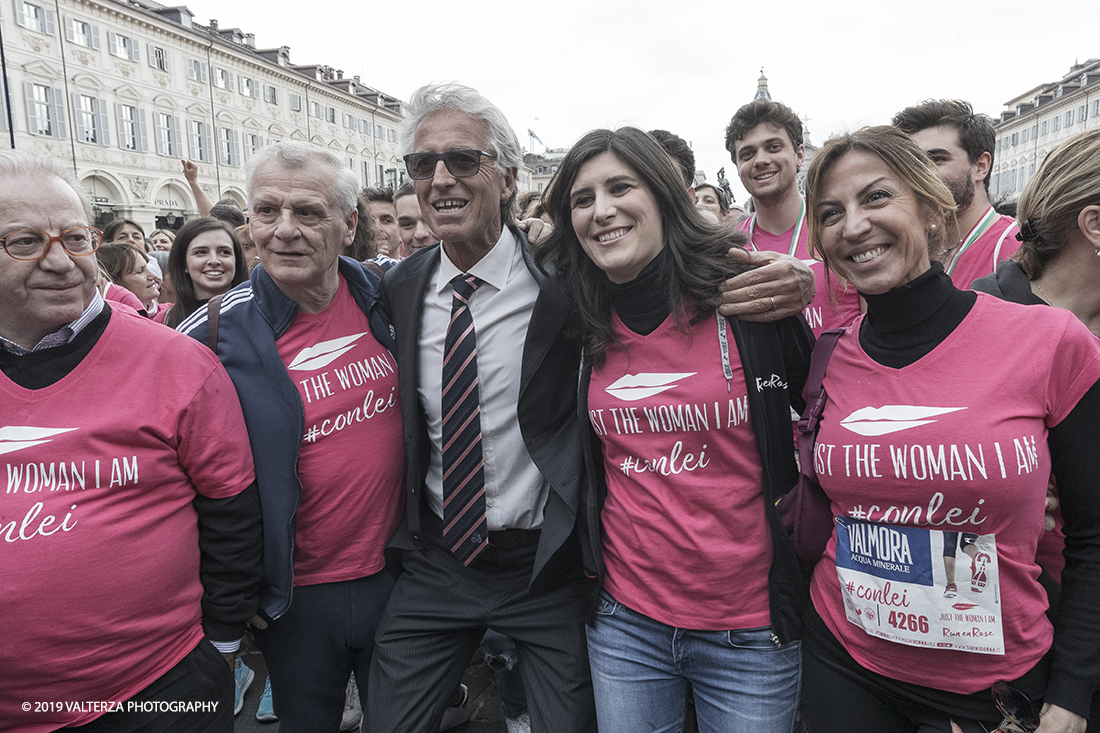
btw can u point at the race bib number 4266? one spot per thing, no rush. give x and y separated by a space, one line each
921 587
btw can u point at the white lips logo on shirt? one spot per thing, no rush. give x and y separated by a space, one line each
872 421
324 353
18 437
633 387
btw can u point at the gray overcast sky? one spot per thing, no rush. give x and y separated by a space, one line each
562 68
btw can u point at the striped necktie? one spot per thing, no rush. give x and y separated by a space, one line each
465 530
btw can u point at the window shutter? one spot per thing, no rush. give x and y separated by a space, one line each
69 35
78 117
111 42
235 148
133 48
57 110
159 139
51 21
149 54
101 114
93 32
175 131
208 144
192 140
32 108
143 136
20 18
120 126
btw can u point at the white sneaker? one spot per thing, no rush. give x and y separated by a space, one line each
459 714
353 712
522 724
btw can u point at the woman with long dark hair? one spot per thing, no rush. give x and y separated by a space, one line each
690 437
206 260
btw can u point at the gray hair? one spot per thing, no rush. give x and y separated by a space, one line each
294 155
14 163
451 96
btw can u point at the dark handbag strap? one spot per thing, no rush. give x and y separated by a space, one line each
815 402
213 310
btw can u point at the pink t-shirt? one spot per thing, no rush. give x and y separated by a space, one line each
994 239
119 294
685 540
836 303
99 559
953 443
352 460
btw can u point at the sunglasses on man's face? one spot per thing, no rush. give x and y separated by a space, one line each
460 163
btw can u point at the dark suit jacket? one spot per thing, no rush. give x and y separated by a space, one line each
547 408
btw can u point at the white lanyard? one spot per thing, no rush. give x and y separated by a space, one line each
979 229
797 227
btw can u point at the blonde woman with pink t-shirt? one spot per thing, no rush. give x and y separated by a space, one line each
946 412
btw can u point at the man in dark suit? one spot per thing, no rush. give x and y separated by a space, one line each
511 562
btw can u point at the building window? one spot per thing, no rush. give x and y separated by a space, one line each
1096 108
1035 131
1082 112
350 121
223 78
130 123
229 149
330 114
122 46
91 118
381 174
271 94
366 173
169 140
45 113
1056 124
380 131
295 102
316 110
1069 118
158 57
81 33
253 143
199 141
1046 127
35 17
250 87
1027 131
196 70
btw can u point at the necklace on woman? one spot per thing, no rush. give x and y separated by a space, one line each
1047 298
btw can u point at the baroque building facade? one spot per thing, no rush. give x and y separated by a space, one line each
1038 121
123 90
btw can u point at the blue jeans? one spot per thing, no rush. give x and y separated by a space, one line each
641 669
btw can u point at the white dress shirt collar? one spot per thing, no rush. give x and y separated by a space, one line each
495 268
